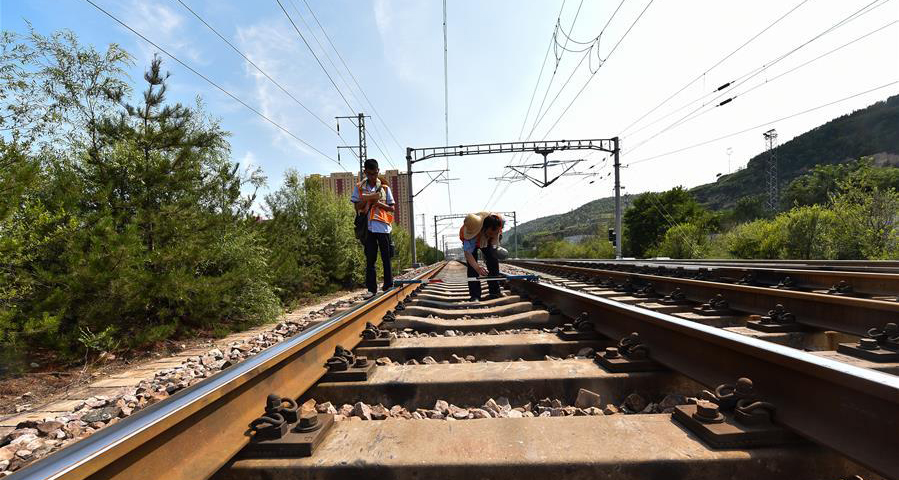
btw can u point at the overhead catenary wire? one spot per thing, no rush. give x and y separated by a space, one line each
538 117
768 80
527 114
715 65
214 84
758 70
353 77
259 69
764 124
593 74
378 145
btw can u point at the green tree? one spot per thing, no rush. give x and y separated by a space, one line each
805 232
867 221
686 240
310 234
653 213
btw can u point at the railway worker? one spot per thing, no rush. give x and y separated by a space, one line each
482 231
372 197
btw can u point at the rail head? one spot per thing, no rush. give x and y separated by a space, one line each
829 312
114 443
850 409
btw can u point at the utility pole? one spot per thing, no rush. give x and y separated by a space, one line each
424 228
515 226
618 233
435 232
729 151
362 148
772 178
411 205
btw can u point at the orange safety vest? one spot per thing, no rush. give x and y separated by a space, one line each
377 213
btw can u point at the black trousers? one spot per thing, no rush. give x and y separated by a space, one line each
373 243
474 288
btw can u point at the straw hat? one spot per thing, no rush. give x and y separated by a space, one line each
471 227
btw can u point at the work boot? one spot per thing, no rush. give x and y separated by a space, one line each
367 295
493 296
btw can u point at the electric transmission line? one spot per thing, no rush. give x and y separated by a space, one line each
716 64
211 82
729 86
756 127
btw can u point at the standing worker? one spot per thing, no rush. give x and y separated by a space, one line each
482 231
372 197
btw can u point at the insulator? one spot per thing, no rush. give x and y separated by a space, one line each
726 101
722 87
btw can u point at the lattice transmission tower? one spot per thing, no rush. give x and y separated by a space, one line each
772 178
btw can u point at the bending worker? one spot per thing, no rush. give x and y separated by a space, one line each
482 231
373 197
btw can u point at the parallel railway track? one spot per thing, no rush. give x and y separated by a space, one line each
844 417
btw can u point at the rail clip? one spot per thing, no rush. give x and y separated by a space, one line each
373 336
286 431
733 417
344 366
580 329
716 306
631 355
778 320
881 345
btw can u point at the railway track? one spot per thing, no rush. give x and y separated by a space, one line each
543 381
873 266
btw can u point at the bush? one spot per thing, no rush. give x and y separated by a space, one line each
687 240
592 247
137 232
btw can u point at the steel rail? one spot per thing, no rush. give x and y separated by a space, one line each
867 283
883 266
821 311
196 431
853 410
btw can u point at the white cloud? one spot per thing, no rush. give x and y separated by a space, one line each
165 27
409 39
276 49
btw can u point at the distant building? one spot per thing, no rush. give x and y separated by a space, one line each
342 184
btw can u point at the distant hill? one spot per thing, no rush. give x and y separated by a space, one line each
870 131
584 220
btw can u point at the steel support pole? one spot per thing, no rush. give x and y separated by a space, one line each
435 233
619 237
515 226
411 207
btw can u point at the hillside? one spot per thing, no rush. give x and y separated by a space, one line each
873 130
868 131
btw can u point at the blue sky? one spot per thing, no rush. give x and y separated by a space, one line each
496 49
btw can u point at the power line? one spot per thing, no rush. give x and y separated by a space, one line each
336 70
706 142
614 48
719 62
531 102
594 73
208 80
449 194
757 71
320 64
298 102
353 77
538 117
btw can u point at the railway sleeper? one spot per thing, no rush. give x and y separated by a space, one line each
520 382
618 447
501 347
